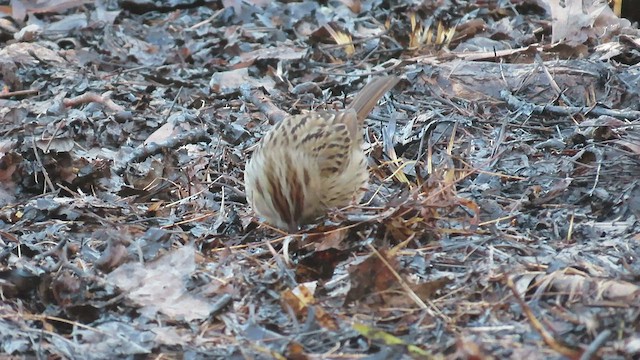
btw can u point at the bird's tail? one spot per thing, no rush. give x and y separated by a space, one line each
368 97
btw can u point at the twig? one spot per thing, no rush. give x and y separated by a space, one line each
18 93
263 104
282 265
220 303
552 82
595 345
396 64
53 251
548 338
595 182
53 136
47 179
516 103
93 97
416 299
210 19
146 150
173 104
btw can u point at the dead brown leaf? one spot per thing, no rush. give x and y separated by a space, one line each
370 278
159 286
301 298
576 21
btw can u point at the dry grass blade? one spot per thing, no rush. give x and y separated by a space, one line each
343 39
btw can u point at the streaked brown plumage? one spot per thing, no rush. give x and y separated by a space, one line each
309 163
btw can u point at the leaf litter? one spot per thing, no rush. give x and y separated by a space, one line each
500 222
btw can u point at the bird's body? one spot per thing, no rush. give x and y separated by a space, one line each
309 163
